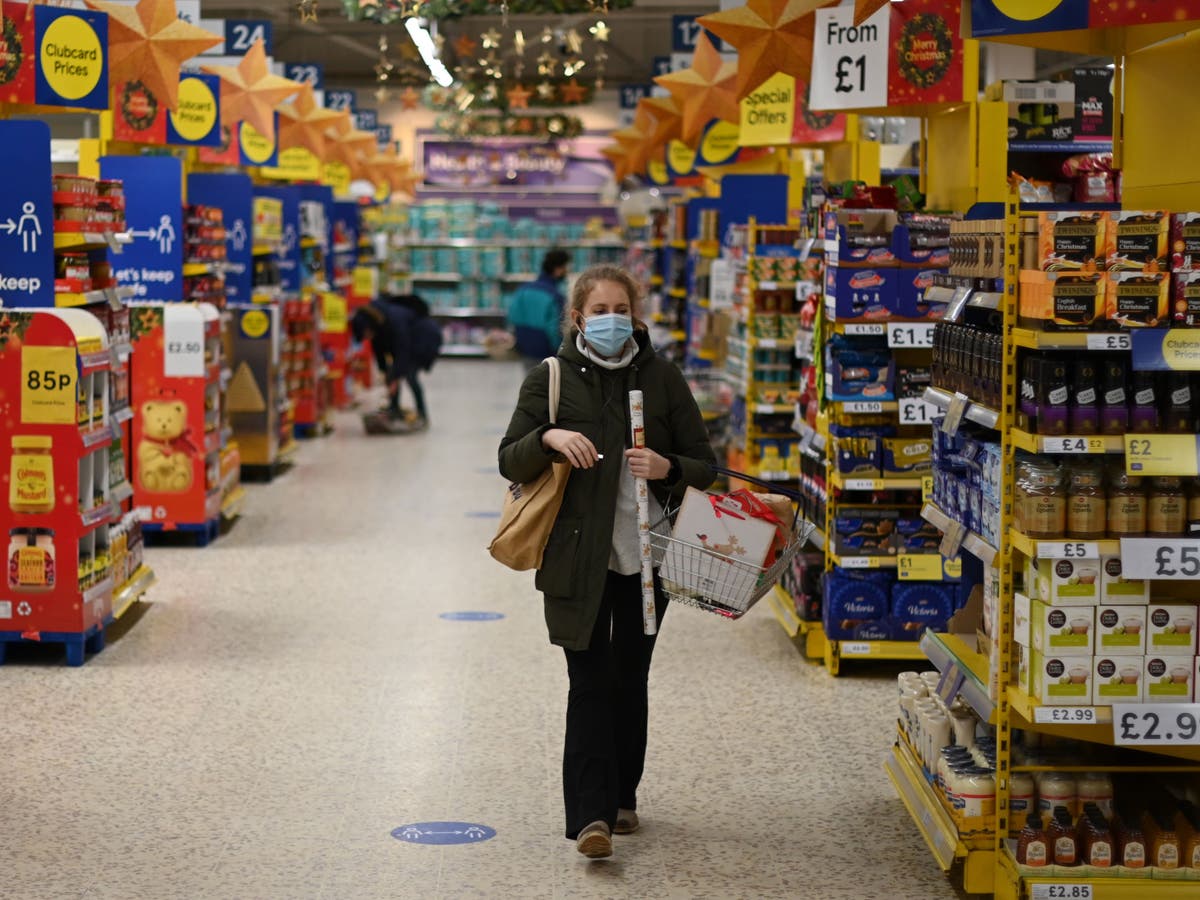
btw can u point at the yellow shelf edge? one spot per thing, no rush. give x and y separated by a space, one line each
784 611
884 483
1026 545
1036 443
874 562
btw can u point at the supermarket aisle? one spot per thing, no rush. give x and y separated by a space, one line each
291 696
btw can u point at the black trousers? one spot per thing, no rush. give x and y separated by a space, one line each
605 748
414 384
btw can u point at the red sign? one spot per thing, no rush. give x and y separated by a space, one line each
228 154
138 115
18 52
925 62
811 127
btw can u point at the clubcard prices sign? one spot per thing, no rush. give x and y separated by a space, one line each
992 18
53 56
140 117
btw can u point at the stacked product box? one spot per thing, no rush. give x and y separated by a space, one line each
876 606
967 481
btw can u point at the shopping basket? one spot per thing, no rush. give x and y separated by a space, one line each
721 584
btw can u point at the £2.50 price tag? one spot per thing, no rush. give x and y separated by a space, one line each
1171 559
1060 892
1159 724
48 379
850 63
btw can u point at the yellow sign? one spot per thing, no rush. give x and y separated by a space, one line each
333 313
657 170
48 379
953 568
1027 10
72 60
197 112
1162 454
1180 350
919 567
268 219
255 323
680 157
366 282
720 143
383 191
255 147
337 176
295 164
769 113
926 488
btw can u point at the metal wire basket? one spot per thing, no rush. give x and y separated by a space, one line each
718 583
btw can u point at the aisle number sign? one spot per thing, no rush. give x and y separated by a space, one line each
1162 454
48 379
849 69
26 215
768 114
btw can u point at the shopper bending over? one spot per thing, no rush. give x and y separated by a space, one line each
535 311
590 574
405 341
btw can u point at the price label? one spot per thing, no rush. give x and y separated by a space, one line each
1068 550
804 344
926 488
907 336
856 649
863 406
919 567
1108 342
916 411
183 343
1060 892
767 343
767 409
48 379
952 540
858 562
860 484
1162 454
1170 559
952 568
1072 445
849 68
1068 715
1158 724
864 329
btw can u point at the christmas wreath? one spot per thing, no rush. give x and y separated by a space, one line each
13 54
925 50
815 120
139 107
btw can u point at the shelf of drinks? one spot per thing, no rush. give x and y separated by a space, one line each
888 483
1147 884
1060 548
972 542
1098 341
952 651
1085 444
134 588
468 312
974 412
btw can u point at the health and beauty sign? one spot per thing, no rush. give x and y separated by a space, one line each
153 264
514 163
26 215
234 194
54 57
992 18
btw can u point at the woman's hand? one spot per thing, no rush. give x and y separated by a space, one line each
575 447
645 463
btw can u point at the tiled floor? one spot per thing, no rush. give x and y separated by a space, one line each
289 696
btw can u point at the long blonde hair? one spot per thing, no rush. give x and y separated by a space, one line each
587 281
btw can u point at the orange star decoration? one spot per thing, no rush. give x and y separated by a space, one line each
770 36
302 123
633 139
518 97
409 98
147 43
705 91
464 46
572 92
864 9
659 118
405 179
351 148
618 155
249 92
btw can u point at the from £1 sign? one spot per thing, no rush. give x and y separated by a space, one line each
26 215
849 68
153 264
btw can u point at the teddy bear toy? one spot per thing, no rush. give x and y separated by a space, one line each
164 453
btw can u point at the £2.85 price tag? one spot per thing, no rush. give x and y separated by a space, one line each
48 379
850 63
1159 724
1060 892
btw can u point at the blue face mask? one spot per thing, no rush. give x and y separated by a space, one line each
608 333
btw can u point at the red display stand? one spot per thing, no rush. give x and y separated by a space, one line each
302 364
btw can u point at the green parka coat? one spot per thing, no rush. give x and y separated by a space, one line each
595 402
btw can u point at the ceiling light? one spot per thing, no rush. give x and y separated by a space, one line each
428 52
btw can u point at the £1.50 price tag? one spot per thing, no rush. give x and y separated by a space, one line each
863 406
1159 724
48 379
910 335
850 63
1060 892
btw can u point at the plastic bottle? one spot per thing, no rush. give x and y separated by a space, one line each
1022 800
1096 788
1061 837
1032 844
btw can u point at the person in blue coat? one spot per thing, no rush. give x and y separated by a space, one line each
535 311
405 342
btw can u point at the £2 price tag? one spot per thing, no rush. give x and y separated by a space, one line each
1159 724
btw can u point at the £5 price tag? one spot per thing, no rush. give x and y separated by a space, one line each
1170 559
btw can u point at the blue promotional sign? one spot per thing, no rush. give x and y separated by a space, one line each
288 259
685 31
366 119
234 194
997 17
306 73
383 135
443 833
323 194
72 65
256 150
153 264
661 66
26 215
632 93
340 101
345 228
240 35
199 106
471 616
1164 350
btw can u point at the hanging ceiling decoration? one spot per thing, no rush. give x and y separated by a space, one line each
250 92
302 123
386 12
770 36
704 91
864 9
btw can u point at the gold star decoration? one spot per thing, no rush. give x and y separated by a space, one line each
662 119
573 67
572 92
302 123
519 42
351 148
147 43
704 91
633 139
382 94
770 36
491 39
464 46
409 98
864 9
600 31
574 42
308 11
518 97
249 92
618 156
546 64
547 35
545 90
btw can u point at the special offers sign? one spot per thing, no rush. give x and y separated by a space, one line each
53 56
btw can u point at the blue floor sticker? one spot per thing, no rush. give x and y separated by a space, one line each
483 514
443 833
471 616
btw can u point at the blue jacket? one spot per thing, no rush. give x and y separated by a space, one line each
535 315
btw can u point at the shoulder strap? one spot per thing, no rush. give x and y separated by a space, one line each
555 387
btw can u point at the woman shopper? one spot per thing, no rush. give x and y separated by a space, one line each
590 575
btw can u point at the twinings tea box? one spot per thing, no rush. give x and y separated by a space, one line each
1121 630
1185 298
1171 629
1062 680
1168 679
1138 239
1185 241
1139 299
1072 240
1116 589
1056 629
1117 679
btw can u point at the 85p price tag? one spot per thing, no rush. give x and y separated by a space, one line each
1061 892
1159 724
48 379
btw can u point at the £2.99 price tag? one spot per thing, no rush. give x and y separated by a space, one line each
1060 892
48 379
850 63
1065 715
1159 724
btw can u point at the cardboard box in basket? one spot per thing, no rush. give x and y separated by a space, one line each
707 535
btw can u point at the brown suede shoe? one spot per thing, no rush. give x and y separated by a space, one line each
627 822
595 841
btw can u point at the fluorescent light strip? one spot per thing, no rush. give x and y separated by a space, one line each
428 52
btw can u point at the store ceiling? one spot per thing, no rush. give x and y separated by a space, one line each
350 50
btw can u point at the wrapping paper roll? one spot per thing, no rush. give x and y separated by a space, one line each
637 422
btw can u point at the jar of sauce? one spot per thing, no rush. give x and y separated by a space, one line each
31 565
1032 847
1022 799
1060 836
31 476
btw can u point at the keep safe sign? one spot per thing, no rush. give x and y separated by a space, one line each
153 264
71 53
26 215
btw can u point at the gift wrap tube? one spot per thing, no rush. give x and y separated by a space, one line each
637 423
